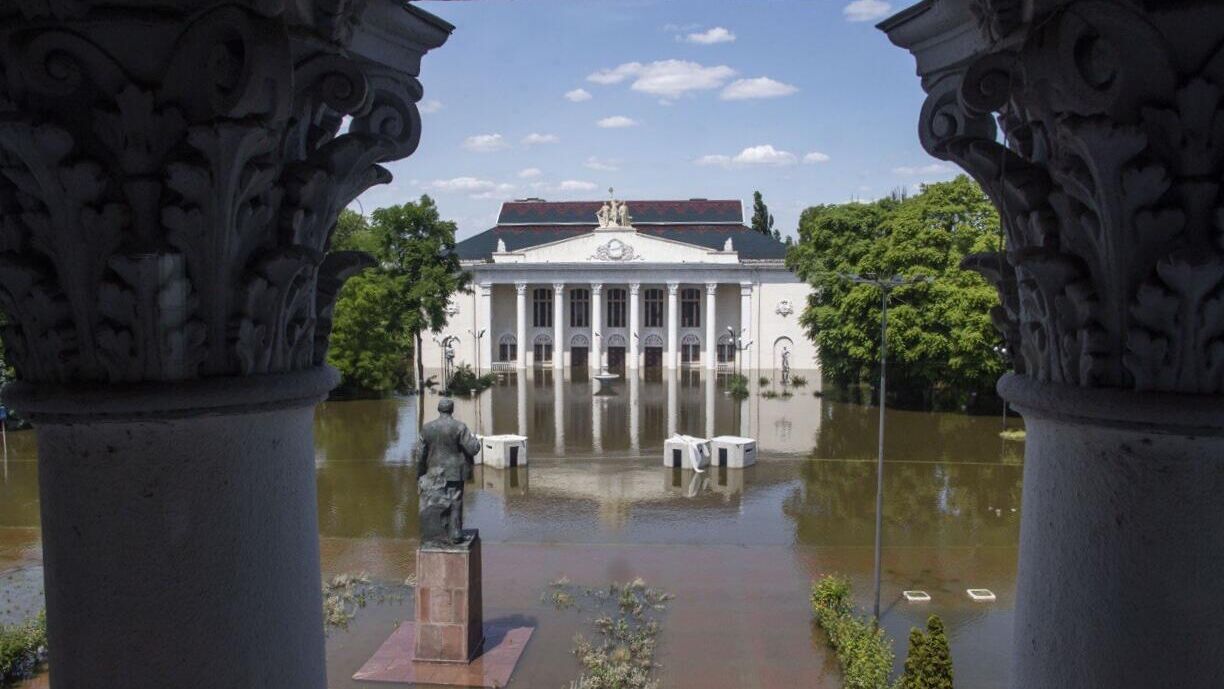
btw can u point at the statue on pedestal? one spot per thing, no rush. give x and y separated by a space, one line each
444 455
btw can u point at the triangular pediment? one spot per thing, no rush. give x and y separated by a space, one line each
616 246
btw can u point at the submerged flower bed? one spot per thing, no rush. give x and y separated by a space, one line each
22 649
863 650
620 655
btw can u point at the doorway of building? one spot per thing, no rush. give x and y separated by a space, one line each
616 359
653 357
578 357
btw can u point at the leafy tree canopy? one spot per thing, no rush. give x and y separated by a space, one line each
381 313
940 337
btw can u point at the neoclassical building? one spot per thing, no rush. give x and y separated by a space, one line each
626 285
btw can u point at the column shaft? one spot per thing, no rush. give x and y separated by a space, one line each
484 323
745 334
711 332
520 325
596 356
635 324
559 347
672 353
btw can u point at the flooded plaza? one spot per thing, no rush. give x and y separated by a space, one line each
737 548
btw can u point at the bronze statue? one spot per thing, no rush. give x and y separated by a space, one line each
444 455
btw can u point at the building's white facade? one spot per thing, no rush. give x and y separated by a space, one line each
627 297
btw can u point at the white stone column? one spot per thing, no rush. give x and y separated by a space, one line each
172 175
671 356
525 375
635 411
484 322
1108 197
635 325
711 332
596 421
672 397
596 356
559 347
558 413
710 401
746 329
520 324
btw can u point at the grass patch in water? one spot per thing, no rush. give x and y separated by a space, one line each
798 381
345 594
620 652
22 649
1014 435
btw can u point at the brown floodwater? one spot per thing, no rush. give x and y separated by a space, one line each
738 549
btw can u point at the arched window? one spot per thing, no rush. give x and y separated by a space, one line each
616 340
543 348
690 308
579 340
726 349
654 341
616 308
690 350
654 308
507 348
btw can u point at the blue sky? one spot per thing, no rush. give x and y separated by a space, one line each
560 99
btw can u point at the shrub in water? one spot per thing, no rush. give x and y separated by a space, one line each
798 381
22 649
763 380
862 649
737 385
928 665
464 381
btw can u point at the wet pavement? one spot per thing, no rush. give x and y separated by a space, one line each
737 548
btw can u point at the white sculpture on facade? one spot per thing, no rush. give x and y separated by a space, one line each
616 250
501 246
613 213
728 246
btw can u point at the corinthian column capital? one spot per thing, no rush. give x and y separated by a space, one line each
167 210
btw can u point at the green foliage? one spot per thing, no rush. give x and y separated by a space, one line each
769 394
940 336
464 381
862 649
737 386
23 649
928 665
381 313
798 381
345 594
763 380
762 220
621 654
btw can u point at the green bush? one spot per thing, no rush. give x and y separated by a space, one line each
464 381
798 381
769 394
22 649
862 649
763 380
737 385
928 664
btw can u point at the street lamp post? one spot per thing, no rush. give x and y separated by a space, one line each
477 336
886 285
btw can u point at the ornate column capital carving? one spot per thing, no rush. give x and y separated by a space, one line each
711 288
486 288
745 289
672 288
634 288
596 288
520 287
165 213
559 287
1108 184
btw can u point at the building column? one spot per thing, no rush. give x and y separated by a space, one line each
558 413
170 176
635 411
484 324
520 323
635 325
744 337
1107 181
711 336
673 411
596 358
671 355
559 347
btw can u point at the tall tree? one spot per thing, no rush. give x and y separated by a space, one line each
914 676
938 657
417 249
940 338
762 221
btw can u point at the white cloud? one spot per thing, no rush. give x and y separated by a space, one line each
816 157
764 154
576 185
867 10
666 78
761 87
715 35
485 143
529 172
430 106
499 193
932 169
467 184
594 163
617 122
534 138
577 95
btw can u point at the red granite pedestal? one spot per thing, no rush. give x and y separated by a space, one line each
449 642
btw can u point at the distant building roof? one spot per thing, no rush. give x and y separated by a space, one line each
540 212
701 222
